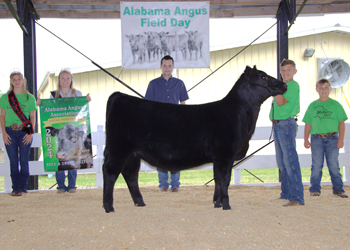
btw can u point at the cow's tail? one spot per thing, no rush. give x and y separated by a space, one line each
110 101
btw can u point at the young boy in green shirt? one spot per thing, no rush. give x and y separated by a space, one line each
324 119
283 111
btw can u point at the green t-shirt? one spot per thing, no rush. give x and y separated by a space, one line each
324 117
291 108
26 105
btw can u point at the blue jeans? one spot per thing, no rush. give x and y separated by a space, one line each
19 177
72 177
288 161
321 147
164 177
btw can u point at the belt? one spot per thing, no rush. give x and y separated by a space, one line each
326 135
277 121
17 126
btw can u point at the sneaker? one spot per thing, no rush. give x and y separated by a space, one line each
14 193
22 193
175 190
72 191
315 193
61 191
163 189
342 195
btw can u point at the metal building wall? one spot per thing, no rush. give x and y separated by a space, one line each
336 45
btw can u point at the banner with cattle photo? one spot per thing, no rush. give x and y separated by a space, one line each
66 133
151 30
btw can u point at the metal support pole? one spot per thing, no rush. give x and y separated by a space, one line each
282 38
29 51
282 42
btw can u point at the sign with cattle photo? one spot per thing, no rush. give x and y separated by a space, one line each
66 133
152 30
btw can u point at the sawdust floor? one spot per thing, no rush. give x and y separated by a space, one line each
185 220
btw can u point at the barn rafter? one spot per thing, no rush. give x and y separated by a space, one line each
103 9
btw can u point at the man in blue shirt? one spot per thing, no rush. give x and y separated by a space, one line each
167 89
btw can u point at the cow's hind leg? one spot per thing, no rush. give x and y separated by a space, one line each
131 176
222 181
109 180
112 167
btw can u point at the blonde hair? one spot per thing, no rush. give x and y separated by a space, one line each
64 70
24 85
322 81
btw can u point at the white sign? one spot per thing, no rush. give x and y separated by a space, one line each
151 30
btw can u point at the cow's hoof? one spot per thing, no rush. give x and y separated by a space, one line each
217 204
226 207
140 205
109 209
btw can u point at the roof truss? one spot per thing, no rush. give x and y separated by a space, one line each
218 8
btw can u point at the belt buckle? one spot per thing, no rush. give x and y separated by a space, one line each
16 126
323 136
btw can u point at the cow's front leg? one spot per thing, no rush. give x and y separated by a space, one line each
131 176
216 198
223 178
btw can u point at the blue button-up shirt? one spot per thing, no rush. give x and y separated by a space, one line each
171 91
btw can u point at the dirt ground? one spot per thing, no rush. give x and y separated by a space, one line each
185 220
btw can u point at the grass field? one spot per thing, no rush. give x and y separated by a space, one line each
188 177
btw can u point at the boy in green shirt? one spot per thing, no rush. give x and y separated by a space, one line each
284 108
324 119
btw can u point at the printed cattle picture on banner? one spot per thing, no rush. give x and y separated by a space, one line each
152 30
66 133
152 46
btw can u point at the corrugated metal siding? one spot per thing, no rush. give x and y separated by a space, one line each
336 45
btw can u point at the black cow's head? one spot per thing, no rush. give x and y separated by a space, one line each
266 82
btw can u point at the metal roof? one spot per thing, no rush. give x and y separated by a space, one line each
218 8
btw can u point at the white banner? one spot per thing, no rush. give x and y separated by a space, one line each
151 30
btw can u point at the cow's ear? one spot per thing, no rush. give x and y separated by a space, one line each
254 72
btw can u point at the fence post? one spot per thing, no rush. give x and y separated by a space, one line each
346 169
236 176
7 178
99 156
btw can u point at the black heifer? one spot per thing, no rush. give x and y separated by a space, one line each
177 137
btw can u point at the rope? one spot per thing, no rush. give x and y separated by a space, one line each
231 58
121 72
244 159
91 61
